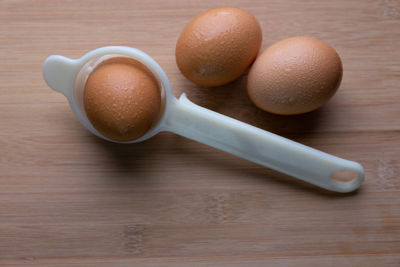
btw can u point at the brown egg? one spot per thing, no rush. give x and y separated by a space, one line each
218 45
294 76
122 99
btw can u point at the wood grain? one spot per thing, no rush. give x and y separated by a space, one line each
70 199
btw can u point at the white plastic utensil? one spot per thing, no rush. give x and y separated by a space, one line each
68 76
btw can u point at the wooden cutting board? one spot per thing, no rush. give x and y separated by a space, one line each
68 198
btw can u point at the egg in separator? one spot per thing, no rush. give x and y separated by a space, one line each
182 117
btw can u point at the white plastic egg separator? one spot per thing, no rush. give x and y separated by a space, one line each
68 76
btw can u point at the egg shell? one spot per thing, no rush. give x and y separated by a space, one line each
218 45
122 99
294 76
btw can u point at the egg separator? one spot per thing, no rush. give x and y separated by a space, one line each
182 117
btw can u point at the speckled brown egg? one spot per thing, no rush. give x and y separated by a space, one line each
122 99
218 45
294 76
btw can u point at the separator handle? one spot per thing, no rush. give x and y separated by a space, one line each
267 149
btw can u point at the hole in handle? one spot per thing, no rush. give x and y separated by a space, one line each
344 176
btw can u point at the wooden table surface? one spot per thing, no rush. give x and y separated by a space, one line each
68 198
